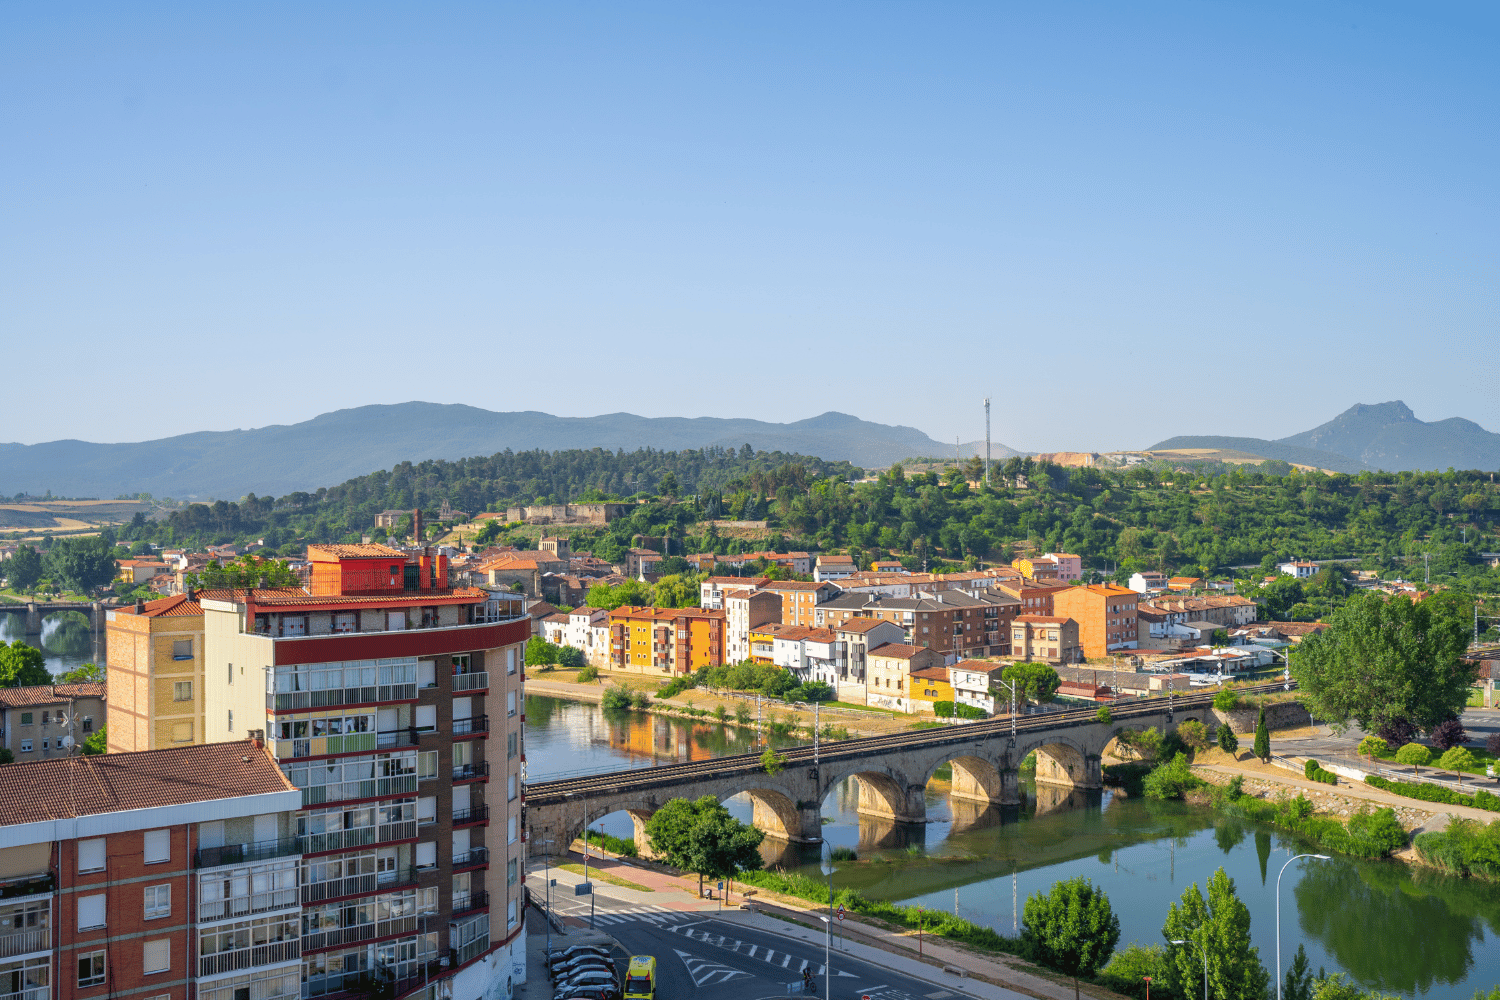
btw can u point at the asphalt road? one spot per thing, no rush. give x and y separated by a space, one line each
700 956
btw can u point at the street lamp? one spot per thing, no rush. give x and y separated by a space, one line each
569 795
547 876
828 871
1320 857
1205 967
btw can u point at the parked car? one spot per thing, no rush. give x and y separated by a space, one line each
598 991
583 962
576 950
589 976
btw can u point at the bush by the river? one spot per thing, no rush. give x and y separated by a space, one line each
1466 847
1369 835
1313 771
1428 792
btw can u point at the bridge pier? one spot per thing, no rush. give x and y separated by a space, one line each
974 780
885 798
1010 787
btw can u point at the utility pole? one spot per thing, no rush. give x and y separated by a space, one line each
986 440
1426 568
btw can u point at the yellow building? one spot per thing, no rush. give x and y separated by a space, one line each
668 641
929 685
154 658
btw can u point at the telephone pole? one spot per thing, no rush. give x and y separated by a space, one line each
986 440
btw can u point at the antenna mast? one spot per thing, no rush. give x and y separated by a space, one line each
986 440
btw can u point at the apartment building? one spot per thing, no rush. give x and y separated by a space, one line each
44 721
665 641
763 641
1147 581
713 590
394 704
859 636
154 662
974 683
811 654
950 622
1105 613
1035 567
109 886
588 630
1048 638
890 673
800 600
832 567
745 610
1035 597
1232 611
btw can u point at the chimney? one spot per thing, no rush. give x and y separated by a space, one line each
140 606
192 594
416 525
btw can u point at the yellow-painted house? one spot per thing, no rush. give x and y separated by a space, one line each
668 641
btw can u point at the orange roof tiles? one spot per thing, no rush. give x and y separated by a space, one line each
48 694
896 651
65 787
366 550
167 607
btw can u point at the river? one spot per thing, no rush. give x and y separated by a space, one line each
67 641
1390 927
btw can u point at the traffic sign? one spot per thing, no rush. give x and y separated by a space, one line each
841 911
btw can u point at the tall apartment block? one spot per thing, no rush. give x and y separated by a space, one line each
393 703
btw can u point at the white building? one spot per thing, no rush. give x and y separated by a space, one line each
829 567
1301 570
811 654
1145 583
971 681
588 630
743 611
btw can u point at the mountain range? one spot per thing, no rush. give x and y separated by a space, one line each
1384 436
333 447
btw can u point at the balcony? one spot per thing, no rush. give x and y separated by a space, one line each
235 854
334 937
471 816
479 771
249 958
240 906
374 694
474 857
34 885
477 681
25 942
29 993
476 726
470 902
364 836
358 885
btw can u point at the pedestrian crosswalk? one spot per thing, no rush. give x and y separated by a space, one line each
658 915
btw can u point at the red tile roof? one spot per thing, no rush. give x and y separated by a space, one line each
48 694
64 787
367 550
167 607
896 651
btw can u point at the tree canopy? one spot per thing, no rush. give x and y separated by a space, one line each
699 835
1221 925
24 569
1072 928
1035 682
83 563
22 666
1384 659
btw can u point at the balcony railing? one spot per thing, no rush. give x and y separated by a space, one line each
25 942
29 993
472 858
257 902
467 817
477 681
480 770
234 854
471 950
291 700
248 958
470 901
36 885
358 885
364 788
318 940
339 840
468 727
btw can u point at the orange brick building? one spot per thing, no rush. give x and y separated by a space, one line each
155 663
1105 613
800 599
665 640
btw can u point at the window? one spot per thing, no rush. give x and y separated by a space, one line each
88 723
91 855
91 912
511 831
510 790
158 846
510 703
510 872
427 855
46 744
231 720
46 717
25 718
427 809
182 649
426 674
182 691
427 764
158 901
91 968
157 955
230 679
426 718
510 660
510 744
182 732
510 914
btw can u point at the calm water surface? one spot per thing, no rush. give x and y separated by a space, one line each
67 639
1390 927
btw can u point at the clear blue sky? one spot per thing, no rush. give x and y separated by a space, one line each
1121 221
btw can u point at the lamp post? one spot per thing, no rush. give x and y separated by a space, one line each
1320 857
547 877
1205 964
828 871
569 795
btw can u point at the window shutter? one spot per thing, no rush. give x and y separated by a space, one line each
158 955
426 717
91 855
90 911
158 846
427 855
427 809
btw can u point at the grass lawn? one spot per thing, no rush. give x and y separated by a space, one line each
595 873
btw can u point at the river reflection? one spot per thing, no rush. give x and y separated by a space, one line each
1390 927
66 639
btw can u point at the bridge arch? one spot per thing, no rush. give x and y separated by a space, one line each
1062 759
884 791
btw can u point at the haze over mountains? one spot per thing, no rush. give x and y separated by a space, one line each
333 447
1370 436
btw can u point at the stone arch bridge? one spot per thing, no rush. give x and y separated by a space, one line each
892 772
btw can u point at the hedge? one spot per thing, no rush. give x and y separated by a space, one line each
1427 792
1464 848
1312 771
944 710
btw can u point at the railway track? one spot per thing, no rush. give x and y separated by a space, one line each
543 792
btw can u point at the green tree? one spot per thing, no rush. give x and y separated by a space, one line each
1035 682
1262 737
6 757
1414 755
1381 660
668 486
22 666
772 762
1458 759
1219 924
1104 716
1072 929
1228 742
1299 978
97 742
1194 734
87 673
83 563
24 569
699 835
245 571
1373 746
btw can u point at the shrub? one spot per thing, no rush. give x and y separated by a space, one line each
1458 759
1226 700
1370 836
1194 734
1427 792
1397 732
1464 848
1104 715
721 713
639 699
742 713
1131 777
1492 744
1236 786
1170 780
1262 738
1228 742
1373 746
843 854
1414 755
569 658
948 709
1313 771
772 761
1449 734
611 843
588 673
616 697
1309 768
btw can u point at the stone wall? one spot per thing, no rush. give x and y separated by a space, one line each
1282 715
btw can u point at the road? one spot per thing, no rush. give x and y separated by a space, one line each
699 954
